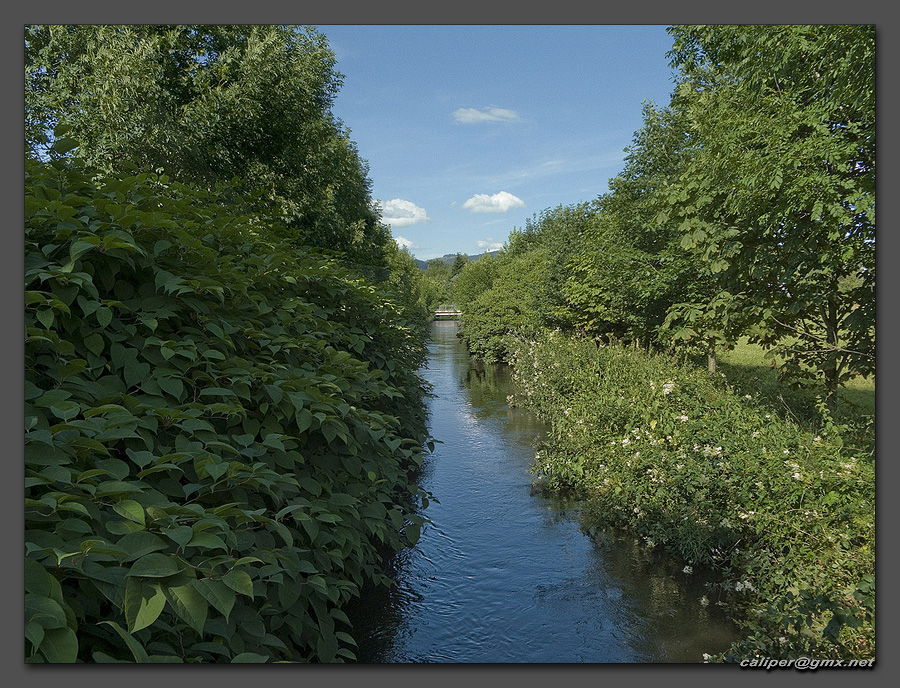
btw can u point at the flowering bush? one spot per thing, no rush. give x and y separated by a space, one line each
719 479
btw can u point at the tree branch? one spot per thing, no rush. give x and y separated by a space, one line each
818 338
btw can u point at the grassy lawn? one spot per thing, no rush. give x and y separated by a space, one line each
750 369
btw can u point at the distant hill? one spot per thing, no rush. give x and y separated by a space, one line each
448 258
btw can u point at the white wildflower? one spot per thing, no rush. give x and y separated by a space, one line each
688 569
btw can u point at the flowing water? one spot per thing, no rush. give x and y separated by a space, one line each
504 575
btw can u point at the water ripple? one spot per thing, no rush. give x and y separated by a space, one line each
503 576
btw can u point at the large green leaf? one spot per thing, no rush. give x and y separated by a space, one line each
44 611
60 645
218 594
137 650
189 604
239 581
249 658
143 604
131 510
155 565
140 543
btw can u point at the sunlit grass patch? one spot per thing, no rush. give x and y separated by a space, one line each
750 367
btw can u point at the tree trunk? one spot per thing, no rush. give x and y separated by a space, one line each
711 359
830 367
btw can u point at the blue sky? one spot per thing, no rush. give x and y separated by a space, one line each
471 130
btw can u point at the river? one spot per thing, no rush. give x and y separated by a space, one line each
502 575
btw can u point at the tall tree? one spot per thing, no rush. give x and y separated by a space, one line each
509 308
630 269
458 264
436 283
211 105
780 196
559 233
477 276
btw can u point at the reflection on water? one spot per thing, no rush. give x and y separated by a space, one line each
501 575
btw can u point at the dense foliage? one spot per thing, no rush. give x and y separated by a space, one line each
507 306
780 196
239 104
746 208
223 421
719 479
438 278
408 287
222 429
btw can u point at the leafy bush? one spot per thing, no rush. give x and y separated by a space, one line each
221 432
718 479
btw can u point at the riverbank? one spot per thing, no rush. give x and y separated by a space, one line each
502 575
719 478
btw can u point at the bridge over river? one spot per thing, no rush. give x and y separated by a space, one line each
445 312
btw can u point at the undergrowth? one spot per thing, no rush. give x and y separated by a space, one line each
785 511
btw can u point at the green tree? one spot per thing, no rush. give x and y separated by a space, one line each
248 106
406 283
508 309
458 264
436 283
559 233
629 269
780 196
477 276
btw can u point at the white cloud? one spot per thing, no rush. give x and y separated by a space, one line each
476 116
489 244
400 213
498 203
403 242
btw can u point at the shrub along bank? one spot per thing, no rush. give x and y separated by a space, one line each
222 429
719 479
